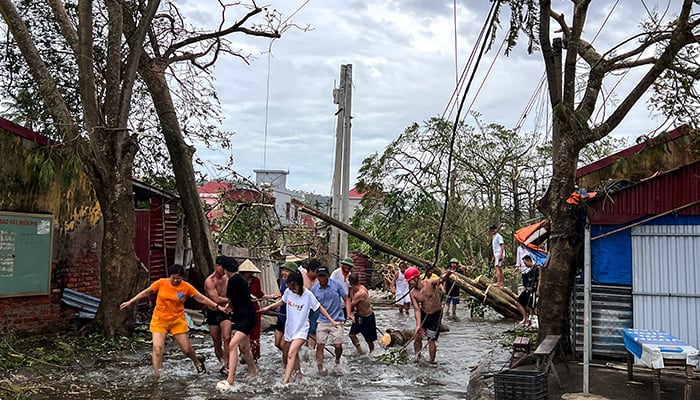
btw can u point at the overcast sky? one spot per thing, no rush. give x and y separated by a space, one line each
403 57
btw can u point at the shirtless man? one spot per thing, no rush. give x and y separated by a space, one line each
364 321
219 323
425 298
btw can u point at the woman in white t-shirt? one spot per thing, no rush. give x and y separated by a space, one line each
300 302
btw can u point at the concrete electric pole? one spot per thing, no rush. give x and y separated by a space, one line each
340 206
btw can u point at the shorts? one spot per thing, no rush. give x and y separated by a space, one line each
367 326
431 325
215 317
313 321
173 327
452 300
279 326
326 330
243 322
526 299
402 298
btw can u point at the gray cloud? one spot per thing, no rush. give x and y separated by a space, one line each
403 72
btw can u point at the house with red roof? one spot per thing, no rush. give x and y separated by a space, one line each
354 198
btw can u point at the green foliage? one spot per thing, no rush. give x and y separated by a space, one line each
195 99
50 165
523 20
493 170
245 217
22 100
52 354
675 93
399 356
51 351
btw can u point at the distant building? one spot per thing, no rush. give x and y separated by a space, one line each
212 193
274 182
354 198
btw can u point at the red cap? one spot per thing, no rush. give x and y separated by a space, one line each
411 273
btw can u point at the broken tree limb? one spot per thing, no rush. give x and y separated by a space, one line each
376 244
500 299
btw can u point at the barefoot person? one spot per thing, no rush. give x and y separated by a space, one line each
169 315
334 299
243 320
248 270
219 324
425 298
280 343
499 252
299 303
402 298
451 289
310 279
364 321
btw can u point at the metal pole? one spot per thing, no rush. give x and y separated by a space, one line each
587 332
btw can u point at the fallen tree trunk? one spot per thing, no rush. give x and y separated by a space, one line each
503 301
399 337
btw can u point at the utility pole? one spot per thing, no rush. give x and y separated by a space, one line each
340 205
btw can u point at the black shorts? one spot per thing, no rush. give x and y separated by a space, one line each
367 326
431 324
526 299
216 317
279 326
243 322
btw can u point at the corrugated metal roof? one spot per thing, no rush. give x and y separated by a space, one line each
673 191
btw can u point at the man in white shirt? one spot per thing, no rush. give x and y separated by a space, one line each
499 253
342 274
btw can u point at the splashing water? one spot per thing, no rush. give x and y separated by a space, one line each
356 377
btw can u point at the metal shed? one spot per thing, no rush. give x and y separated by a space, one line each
645 241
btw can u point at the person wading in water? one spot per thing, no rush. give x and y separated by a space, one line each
427 310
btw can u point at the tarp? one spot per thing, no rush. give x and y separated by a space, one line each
533 236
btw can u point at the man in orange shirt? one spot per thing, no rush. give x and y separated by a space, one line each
169 315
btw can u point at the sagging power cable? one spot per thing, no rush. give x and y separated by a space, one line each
490 20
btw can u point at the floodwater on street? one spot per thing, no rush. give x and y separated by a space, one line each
129 375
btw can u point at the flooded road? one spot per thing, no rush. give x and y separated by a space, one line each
129 376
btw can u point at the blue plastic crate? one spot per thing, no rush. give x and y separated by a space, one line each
521 385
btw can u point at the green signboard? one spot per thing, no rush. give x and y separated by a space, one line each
25 253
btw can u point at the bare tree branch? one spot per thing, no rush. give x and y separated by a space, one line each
236 27
53 99
64 23
682 35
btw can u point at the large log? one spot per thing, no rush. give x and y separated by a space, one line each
501 300
399 337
